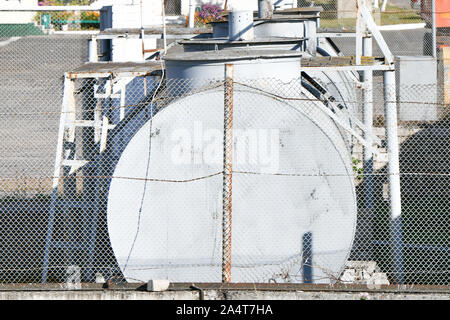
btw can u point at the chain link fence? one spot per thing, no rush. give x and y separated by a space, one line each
413 20
139 190
36 23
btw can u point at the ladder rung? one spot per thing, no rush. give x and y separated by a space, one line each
74 163
69 245
107 95
76 204
88 123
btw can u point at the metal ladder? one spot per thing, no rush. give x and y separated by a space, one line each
67 164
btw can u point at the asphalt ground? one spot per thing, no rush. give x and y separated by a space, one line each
31 83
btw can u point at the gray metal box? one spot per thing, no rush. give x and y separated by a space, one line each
416 88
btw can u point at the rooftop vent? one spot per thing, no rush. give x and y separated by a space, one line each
240 25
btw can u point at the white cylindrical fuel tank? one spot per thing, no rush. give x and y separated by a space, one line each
292 176
198 67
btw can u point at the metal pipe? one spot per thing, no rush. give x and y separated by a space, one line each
191 13
390 101
164 26
360 27
264 9
240 25
227 173
66 111
142 30
307 258
93 53
368 186
433 29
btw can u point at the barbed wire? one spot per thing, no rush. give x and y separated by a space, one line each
219 173
252 87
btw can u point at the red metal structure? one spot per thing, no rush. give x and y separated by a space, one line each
442 12
442 19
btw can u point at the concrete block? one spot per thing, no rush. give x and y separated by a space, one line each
367 266
363 272
348 276
366 275
346 9
379 278
158 285
416 88
99 278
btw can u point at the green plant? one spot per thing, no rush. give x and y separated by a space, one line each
85 19
357 168
208 13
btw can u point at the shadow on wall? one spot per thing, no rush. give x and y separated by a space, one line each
425 181
23 230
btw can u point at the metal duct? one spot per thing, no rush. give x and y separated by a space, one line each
265 10
240 26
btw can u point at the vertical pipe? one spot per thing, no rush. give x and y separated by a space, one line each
163 2
142 29
92 220
394 173
307 258
49 235
265 9
227 173
240 25
368 187
93 54
66 108
191 13
359 32
123 92
433 29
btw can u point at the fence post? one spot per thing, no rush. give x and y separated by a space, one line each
390 101
433 29
227 173
191 13
93 51
307 258
368 183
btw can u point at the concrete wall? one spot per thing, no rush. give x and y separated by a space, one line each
346 9
17 16
413 84
131 49
215 295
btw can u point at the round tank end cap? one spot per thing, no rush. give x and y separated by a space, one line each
158 285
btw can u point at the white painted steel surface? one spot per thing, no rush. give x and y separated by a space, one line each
178 233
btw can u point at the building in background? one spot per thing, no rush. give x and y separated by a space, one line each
17 17
127 13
